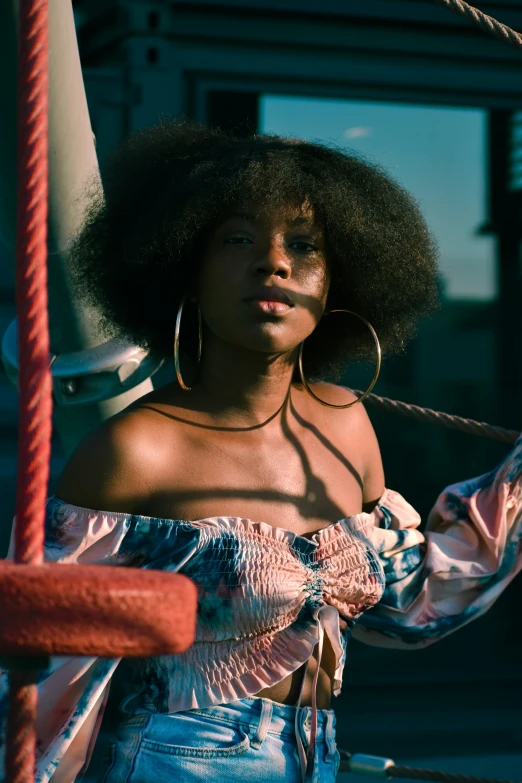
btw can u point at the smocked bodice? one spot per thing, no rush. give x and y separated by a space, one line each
259 591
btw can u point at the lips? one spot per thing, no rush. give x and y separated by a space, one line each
271 294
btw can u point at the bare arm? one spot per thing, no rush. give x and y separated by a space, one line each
373 478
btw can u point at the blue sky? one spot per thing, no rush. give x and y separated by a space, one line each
437 153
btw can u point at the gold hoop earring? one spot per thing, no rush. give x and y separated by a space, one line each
176 342
375 375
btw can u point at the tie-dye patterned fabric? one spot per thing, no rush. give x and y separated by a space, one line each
266 595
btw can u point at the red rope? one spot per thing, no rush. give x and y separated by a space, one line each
20 734
35 386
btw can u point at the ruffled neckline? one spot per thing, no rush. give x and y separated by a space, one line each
352 523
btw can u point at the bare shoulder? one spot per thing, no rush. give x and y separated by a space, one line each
112 468
354 430
334 394
354 421
356 415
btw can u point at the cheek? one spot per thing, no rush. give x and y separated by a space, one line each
218 294
216 283
313 276
220 273
317 287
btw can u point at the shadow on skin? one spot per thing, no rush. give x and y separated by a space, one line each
315 496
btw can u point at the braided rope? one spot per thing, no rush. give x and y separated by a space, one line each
443 419
419 773
485 22
31 284
20 734
35 387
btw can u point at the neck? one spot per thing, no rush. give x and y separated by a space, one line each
242 386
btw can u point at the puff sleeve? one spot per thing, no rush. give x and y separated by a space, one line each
440 580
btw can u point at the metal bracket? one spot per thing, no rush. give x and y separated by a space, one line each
89 376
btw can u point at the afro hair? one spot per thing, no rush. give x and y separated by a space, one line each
163 189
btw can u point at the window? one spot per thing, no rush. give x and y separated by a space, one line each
437 153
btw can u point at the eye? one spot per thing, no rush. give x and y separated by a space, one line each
305 246
236 240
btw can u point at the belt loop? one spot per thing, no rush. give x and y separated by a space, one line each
259 734
126 701
329 732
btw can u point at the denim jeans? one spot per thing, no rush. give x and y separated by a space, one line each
250 740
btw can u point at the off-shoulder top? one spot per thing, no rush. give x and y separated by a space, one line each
268 595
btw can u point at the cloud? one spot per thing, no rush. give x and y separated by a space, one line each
357 132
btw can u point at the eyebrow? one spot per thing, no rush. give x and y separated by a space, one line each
250 218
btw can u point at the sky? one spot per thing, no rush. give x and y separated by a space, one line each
437 153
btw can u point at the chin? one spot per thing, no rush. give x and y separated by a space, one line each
267 339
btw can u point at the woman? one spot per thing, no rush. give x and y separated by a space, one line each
239 255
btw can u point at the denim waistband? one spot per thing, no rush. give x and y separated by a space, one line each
260 715
280 717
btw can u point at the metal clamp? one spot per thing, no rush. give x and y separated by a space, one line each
361 764
89 376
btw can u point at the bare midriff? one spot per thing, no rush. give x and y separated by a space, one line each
287 691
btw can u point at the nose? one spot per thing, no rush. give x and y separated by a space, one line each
274 262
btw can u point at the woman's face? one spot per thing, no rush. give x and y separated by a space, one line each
264 278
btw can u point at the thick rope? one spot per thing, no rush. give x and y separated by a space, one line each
487 23
35 388
31 285
419 773
20 734
444 419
